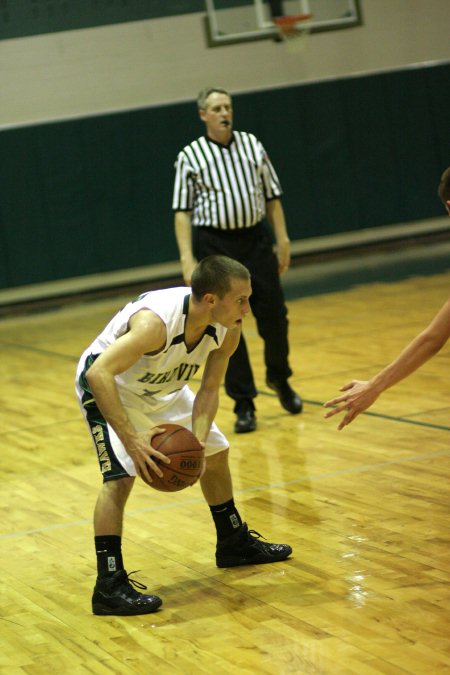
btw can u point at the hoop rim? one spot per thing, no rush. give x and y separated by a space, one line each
291 19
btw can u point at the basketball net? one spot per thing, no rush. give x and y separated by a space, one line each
293 31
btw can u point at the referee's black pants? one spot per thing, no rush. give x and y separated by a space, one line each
253 247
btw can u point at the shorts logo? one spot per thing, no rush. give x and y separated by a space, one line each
99 438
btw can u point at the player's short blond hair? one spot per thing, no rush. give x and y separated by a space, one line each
214 274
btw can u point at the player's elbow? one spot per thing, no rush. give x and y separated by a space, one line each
209 390
433 341
93 376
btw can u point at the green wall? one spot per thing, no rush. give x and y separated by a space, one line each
94 195
19 18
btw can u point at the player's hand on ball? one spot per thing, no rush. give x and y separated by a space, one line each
187 456
144 455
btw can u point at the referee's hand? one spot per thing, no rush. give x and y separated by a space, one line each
187 267
284 256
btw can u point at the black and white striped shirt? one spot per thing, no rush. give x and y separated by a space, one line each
225 186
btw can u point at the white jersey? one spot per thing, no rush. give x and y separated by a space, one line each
154 378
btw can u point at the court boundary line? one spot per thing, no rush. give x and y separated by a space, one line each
38 350
390 418
346 243
258 488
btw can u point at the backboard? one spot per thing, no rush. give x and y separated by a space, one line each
232 21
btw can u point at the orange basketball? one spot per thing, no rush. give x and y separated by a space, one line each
186 458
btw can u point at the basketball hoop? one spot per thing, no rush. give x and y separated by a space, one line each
292 30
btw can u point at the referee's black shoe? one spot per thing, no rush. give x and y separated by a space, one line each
245 416
288 398
114 595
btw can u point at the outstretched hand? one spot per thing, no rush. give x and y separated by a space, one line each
360 396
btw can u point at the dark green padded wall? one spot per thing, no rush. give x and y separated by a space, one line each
91 195
33 17
94 195
356 153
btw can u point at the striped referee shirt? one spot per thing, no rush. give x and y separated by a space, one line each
225 186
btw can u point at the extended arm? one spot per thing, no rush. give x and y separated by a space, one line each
361 395
183 233
275 215
146 334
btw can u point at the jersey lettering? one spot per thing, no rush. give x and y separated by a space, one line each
182 372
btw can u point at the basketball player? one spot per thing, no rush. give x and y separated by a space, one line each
135 376
360 394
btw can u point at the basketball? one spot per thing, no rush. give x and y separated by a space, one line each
186 458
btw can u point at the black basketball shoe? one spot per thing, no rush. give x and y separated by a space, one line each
114 595
244 547
288 398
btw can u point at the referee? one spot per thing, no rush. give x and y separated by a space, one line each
225 186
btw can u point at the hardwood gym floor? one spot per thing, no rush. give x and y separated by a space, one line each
365 510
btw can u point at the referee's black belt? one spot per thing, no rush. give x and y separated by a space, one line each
236 232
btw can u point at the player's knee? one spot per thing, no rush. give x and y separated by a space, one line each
217 461
119 489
